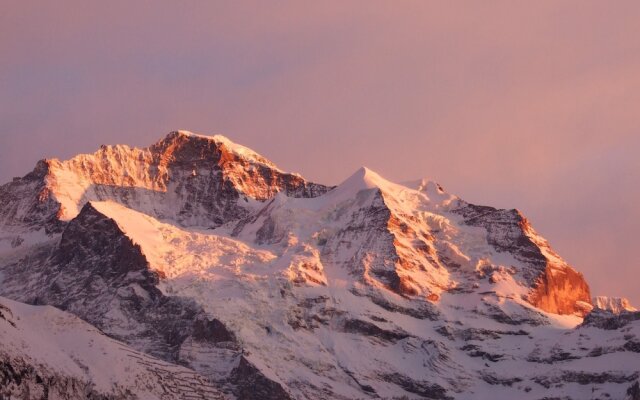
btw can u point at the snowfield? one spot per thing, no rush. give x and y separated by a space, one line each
204 254
47 353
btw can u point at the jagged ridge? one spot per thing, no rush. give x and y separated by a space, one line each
191 179
294 286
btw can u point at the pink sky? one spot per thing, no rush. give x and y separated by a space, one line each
532 105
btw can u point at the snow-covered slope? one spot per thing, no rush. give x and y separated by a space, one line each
188 178
49 354
616 305
273 287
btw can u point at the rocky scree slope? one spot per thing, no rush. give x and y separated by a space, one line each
204 254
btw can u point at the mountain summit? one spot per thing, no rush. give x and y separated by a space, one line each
200 253
188 178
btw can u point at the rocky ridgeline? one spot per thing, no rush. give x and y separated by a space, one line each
203 254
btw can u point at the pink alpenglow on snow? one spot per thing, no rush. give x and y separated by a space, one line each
201 259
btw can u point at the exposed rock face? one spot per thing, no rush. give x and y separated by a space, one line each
191 179
252 384
556 287
46 353
22 380
615 305
608 320
374 257
97 273
559 289
257 283
28 204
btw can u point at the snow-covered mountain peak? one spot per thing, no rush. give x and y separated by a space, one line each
425 185
191 179
182 138
415 195
431 188
615 305
201 252
364 178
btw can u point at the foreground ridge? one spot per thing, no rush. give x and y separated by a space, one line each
202 253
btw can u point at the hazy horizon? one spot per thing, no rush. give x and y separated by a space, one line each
528 106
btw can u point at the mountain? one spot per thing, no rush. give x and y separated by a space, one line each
47 353
203 254
615 305
191 179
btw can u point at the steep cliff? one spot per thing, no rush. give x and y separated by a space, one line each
202 253
191 179
555 286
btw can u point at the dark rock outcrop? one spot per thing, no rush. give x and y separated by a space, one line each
608 320
27 203
97 273
366 328
195 180
555 286
423 389
21 380
251 384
